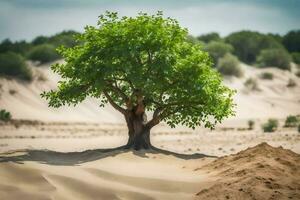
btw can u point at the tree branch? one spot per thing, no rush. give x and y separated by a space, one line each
114 105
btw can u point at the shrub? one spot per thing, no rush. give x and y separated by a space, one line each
5 115
193 40
298 73
251 124
12 64
291 41
251 84
209 37
270 126
299 128
291 121
20 47
218 49
248 44
65 38
275 58
43 53
296 57
229 65
267 76
291 83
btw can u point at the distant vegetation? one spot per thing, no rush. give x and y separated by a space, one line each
274 57
292 121
251 84
14 65
43 53
217 50
251 124
270 126
250 47
229 65
267 76
5 115
42 49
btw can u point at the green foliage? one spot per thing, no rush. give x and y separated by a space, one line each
43 53
12 64
251 124
251 84
299 128
20 47
229 65
124 60
248 44
291 41
217 49
274 58
270 126
267 76
296 57
5 115
209 37
193 40
65 38
292 121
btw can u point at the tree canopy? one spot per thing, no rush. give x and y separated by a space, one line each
143 63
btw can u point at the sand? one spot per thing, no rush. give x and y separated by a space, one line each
66 153
260 172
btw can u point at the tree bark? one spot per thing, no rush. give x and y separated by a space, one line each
138 132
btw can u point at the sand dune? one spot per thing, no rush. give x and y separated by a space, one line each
260 172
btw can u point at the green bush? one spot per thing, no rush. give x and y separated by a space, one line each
65 38
229 65
251 124
12 64
291 121
5 115
209 37
296 57
270 126
251 84
248 44
217 49
267 76
43 53
291 41
20 47
274 58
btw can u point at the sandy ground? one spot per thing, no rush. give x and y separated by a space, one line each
60 154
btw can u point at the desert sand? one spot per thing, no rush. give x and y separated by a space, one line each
68 153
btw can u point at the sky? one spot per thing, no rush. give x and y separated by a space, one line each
26 19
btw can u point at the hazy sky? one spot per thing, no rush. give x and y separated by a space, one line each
25 19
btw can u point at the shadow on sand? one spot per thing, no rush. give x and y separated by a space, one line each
76 158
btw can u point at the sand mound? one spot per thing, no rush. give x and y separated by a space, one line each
260 172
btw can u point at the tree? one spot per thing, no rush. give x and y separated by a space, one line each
14 65
217 49
248 44
279 58
213 36
139 65
291 41
43 53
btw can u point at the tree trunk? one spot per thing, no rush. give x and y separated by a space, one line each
138 133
